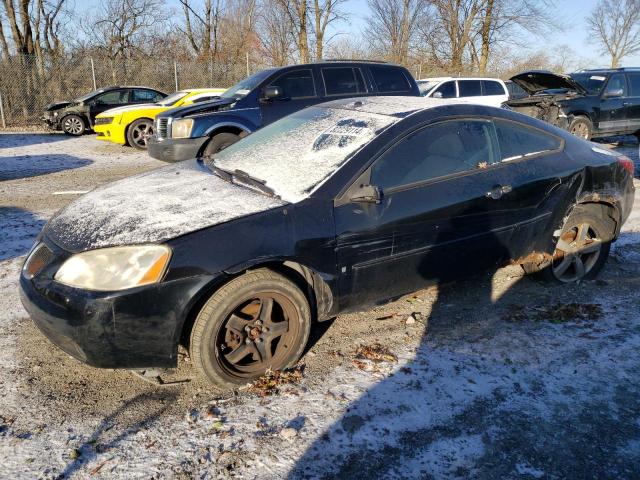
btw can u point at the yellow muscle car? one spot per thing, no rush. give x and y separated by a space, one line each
132 125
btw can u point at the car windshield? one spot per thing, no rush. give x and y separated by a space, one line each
172 99
592 83
426 86
294 155
243 87
87 96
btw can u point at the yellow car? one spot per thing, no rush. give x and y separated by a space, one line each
133 124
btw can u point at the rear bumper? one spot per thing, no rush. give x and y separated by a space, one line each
175 149
137 328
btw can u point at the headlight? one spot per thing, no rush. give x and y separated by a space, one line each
182 128
55 114
116 268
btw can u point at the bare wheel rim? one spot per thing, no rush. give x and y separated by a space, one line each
141 133
259 334
577 252
581 130
73 125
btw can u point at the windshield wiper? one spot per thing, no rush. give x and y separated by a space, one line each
240 177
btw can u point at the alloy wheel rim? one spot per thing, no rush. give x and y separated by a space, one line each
257 335
580 130
141 134
577 252
73 125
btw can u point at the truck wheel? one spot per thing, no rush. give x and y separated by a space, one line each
581 127
257 322
219 142
73 125
139 132
581 250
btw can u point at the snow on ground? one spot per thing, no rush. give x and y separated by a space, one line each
485 385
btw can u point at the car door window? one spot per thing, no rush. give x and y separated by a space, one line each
469 88
436 151
634 84
616 83
517 141
139 95
343 81
115 97
489 87
447 90
389 79
296 84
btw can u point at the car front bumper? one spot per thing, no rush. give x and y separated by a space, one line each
111 132
135 328
175 149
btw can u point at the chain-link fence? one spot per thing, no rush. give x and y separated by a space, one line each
26 86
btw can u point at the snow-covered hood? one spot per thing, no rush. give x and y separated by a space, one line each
153 207
128 108
534 81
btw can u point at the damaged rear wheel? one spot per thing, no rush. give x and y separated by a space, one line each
581 127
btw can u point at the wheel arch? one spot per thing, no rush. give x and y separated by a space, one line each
126 129
601 205
229 127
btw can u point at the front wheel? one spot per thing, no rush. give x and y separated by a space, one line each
581 127
73 125
219 142
139 132
257 322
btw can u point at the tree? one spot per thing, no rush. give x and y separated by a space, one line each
297 12
615 24
277 42
202 26
325 12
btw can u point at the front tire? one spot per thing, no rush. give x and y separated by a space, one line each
581 127
139 132
257 322
219 142
73 125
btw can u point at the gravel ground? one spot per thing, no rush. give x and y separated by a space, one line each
495 377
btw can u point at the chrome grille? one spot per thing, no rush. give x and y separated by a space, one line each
40 257
162 127
104 120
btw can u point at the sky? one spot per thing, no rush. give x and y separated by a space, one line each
570 14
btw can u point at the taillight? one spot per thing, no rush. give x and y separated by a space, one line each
626 163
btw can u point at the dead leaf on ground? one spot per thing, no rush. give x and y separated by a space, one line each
270 382
375 353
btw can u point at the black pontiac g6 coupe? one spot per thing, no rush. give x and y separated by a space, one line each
333 208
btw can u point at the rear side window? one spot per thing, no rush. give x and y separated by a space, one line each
634 84
296 84
517 141
143 95
469 88
343 80
390 79
115 97
435 151
447 90
490 87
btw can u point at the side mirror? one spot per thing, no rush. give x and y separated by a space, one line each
437 95
367 194
271 93
614 93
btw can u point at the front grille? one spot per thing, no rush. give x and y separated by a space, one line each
40 257
162 127
104 120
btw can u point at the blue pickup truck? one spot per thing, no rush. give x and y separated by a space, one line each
206 128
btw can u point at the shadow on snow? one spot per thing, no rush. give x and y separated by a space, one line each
25 166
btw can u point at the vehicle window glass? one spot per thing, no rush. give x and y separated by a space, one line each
115 97
143 95
616 83
448 90
492 88
592 83
159 96
634 84
517 141
469 88
435 151
343 80
296 84
390 79
205 98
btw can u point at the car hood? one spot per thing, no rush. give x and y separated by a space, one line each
153 207
536 81
56 106
129 108
198 108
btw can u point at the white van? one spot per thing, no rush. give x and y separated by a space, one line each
485 91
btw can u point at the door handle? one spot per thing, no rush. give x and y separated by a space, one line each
496 192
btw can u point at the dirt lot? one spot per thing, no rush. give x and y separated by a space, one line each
495 377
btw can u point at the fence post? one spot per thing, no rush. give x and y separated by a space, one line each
93 74
175 73
4 122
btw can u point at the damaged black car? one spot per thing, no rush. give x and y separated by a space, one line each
587 103
331 209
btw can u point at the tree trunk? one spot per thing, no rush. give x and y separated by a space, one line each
319 30
486 37
303 45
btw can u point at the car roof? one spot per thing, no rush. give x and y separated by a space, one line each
201 90
392 106
441 79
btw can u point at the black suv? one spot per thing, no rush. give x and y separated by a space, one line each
206 128
588 103
76 116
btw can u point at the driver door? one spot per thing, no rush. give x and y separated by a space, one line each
107 101
613 109
298 91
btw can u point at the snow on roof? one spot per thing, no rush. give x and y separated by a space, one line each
398 107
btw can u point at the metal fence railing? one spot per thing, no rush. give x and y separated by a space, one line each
26 87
